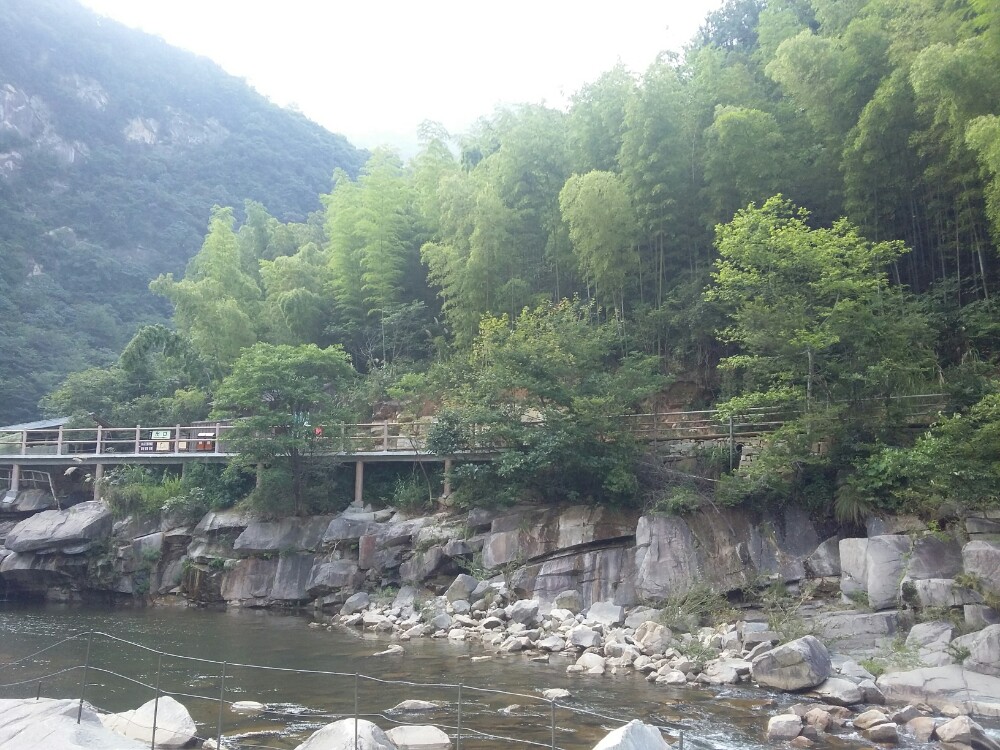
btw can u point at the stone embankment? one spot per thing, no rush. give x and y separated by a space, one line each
603 589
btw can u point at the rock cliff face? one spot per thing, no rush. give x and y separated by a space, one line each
539 553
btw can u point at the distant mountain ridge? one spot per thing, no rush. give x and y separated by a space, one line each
114 147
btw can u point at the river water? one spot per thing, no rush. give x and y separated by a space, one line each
299 703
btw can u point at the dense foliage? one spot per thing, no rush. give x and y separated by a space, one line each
113 148
810 197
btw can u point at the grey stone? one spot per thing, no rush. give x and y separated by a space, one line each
583 637
343 528
939 592
524 611
984 652
606 613
838 692
292 577
355 603
853 565
989 526
173 724
883 733
653 637
882 525
871 718
31 501
870 693
931 640
415 705
802 663
981 559
886 561
825 561
442 621
27 724
249 581
978 616
569 600
922 728
419 737
934 557
552 643
283 534
333 575
75 528
964 732
219 521
947 688
784 727
633 736
423 565
461 588
640 615
340 735
859 631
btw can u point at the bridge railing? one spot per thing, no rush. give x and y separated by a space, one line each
411 437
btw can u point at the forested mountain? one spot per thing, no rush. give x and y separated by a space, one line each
114 147
801 214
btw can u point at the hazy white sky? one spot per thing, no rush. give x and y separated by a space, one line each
374 69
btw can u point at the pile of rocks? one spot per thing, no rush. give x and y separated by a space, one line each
803 724
603 638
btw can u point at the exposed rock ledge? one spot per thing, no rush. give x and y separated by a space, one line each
949 689
27 724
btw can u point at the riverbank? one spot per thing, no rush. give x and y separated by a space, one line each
543 574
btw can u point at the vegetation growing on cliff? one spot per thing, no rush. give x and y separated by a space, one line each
872 276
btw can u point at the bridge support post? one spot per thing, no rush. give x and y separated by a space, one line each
359 482
15 478
446 491
98 476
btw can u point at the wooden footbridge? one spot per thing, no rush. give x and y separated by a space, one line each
52 444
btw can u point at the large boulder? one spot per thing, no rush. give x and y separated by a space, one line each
461 588
984 652
293 577
799 664
70 531
825 560
340 735
29 724
174 725
859 632
949 688
931 641
633 736
333 575
419 737
980 559
885 560
606 613
249 581
963 732
424 564
284 534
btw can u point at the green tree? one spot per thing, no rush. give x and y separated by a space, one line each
216 304
278 394
546 389
823 337
603 229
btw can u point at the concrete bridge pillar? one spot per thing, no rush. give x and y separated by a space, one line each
446 492
98 476
359 482
15 478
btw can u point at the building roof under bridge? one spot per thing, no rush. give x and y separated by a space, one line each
41 424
